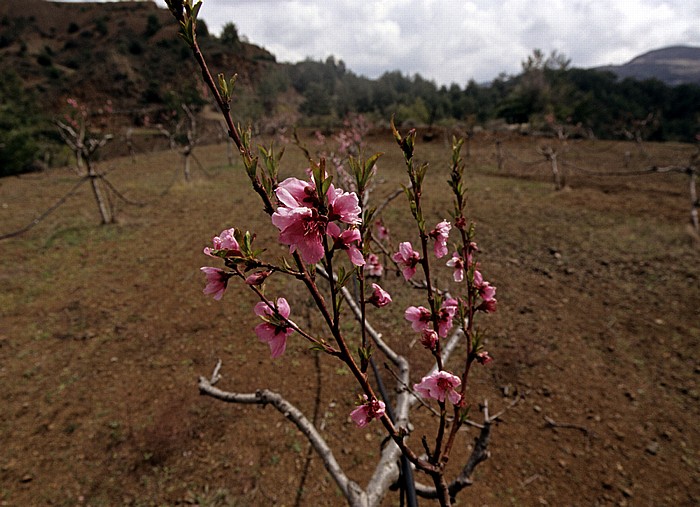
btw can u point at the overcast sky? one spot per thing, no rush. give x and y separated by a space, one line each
452 41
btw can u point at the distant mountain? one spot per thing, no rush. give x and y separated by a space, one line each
673 65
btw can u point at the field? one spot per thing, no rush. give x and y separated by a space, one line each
104 331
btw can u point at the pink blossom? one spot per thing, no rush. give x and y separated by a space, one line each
457 263
348 241
275 330
429 339
258 277
226 242
486 290
382 231
301 224
419 317
483 357
343 206
373 266
296 193
217 279
440 234
407 259
370 409
439 385
379 296
302 229
445 315
488 306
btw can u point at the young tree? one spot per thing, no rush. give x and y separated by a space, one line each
331 240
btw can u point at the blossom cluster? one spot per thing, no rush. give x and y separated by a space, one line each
318 223
304 219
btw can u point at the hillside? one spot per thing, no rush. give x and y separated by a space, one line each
674 66
125 51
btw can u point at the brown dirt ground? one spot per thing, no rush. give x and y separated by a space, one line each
104 331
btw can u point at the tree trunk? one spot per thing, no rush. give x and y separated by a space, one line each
187 166
694 203
99 198
555 171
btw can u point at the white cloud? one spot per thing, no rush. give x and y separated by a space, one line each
452 40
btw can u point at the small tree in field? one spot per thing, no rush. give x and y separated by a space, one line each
331 241
75 130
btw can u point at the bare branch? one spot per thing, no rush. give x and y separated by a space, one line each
350 489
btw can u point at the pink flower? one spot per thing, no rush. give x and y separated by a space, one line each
457 264
258 277
296 193
379 297
419 317
445 315
382 231
373 266
301 224
302 229
483 358
276 329
488 306
343 206
429 339
439 385
225 242
440 234
370 409
407 258
216 281
348 241
486 290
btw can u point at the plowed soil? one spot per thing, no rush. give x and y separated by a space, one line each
104 331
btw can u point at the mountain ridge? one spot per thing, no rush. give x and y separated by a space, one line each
672 65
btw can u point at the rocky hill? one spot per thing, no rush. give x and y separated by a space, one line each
673 65
128 52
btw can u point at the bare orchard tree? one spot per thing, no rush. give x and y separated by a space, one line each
75 131
182 134
550 154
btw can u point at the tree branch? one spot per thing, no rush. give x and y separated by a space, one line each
350 489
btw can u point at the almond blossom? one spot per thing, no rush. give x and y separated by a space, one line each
445 315
419 317
457 263
486 290
300 221
276 328
217 279
382 231
373 266
343 206
483 357
429 339
370 409
439 385
441 234
225 242
258 277
379 297
407 259
347 240
302 229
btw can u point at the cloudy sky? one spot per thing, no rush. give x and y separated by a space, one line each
456 40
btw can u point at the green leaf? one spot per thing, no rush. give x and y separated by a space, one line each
326 185
195 10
